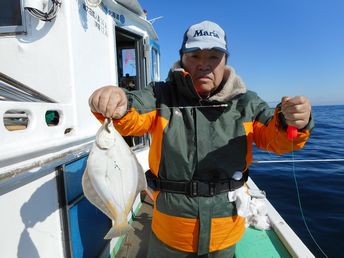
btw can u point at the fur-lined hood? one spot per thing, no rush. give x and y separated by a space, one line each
231 88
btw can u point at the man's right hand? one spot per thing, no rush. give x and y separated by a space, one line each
110 101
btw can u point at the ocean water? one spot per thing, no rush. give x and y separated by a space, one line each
320 184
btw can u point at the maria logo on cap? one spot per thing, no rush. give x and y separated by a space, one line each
202 33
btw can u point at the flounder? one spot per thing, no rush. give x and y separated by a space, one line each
113 178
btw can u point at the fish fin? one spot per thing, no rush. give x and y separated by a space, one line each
118 230
149 193
92 195
142 182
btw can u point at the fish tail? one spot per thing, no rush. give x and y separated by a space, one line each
118 230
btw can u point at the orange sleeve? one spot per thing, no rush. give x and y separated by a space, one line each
273 137
133 123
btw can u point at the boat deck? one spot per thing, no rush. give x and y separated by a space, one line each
255 243
135 243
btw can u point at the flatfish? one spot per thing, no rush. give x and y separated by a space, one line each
113 178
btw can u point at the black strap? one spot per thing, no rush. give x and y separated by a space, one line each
194 188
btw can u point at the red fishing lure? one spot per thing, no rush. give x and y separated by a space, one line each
291 132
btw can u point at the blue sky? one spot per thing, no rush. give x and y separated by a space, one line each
279 48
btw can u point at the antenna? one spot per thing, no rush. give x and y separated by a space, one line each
155 19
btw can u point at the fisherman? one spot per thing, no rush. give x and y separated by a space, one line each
203 122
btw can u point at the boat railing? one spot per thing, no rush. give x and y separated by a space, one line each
296 161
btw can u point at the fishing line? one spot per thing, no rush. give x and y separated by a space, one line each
182 107
199 106
293 161
299 200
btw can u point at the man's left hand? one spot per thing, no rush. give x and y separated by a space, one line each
296 110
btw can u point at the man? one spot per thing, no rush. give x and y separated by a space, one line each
203 122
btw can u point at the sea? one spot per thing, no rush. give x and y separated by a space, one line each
311 191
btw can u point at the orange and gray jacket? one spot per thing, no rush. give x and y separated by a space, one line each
208 139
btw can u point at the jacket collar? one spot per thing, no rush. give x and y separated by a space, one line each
232 87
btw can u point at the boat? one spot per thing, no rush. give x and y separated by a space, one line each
55 54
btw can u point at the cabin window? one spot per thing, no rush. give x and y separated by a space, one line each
155 65
11 16
129 61
131 70
128 74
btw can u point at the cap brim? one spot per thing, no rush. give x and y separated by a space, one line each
192 49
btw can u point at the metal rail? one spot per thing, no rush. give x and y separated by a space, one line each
295 161
12 90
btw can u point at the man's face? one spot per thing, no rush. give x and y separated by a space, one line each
206 68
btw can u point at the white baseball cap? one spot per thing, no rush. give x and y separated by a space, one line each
204 35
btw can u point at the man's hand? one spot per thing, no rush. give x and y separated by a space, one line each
110 101
296 110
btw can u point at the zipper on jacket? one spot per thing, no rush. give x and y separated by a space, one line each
194 111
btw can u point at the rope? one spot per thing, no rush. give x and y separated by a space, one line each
48 16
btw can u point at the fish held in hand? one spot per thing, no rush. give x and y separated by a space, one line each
113 178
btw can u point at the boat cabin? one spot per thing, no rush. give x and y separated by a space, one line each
54 55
